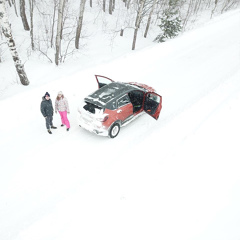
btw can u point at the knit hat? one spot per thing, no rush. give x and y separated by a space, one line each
60 93
47 94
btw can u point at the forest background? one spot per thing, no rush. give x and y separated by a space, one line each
56 31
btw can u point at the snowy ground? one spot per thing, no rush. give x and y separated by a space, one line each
175 178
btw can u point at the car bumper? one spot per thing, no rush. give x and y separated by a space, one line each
92 126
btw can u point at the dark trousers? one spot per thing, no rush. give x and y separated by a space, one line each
49 120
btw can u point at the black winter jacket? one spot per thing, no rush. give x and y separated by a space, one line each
46 107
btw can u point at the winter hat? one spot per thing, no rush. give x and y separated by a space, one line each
60 93
47 94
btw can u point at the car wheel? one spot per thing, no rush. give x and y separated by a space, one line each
114 130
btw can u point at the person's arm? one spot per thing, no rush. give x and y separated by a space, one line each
56 105
42 109
67 106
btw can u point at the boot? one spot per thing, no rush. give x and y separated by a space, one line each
67 129
49 131
53 127
62 125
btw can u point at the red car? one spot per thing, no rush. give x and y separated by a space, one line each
115 104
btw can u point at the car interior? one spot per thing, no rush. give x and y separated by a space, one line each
90 107
151 104
136 98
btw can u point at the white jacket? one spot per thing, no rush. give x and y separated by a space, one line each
61 105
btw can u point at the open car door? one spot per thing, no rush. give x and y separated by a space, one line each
102 81
153 104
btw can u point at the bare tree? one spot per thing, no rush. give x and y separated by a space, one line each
15 8
189 12
229 4
104 5
215 6
23 15
6 29
113 4
149 18
31 4
53 21
128 4
79 24
138 21
197 6
110 6
59 30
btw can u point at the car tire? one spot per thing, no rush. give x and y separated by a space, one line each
114 130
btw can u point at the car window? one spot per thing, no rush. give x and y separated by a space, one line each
114 105
123 101
153 97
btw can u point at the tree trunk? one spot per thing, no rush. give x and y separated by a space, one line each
15 8
137 22
149 18
128 4
121 32
31 22
110 6
6 29
215 6
59 30
113 5
134 38
79 25
53 22
188 14
23 15
197 6
104 5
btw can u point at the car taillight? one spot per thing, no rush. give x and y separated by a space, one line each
103 119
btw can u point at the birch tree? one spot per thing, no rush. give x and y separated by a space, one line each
53 21
23 15
79 24
59 30
31 3
7 32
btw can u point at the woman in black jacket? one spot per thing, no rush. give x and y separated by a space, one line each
47 111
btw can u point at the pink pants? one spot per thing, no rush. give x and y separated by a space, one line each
64 118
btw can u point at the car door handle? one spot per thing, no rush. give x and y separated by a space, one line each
118 111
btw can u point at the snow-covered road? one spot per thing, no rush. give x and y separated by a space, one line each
175 178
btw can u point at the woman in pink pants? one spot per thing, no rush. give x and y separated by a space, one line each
61 105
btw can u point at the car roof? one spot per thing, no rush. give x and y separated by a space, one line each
110 92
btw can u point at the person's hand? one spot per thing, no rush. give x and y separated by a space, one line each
56 112
68 112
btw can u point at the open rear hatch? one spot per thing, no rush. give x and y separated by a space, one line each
92 108
93 113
